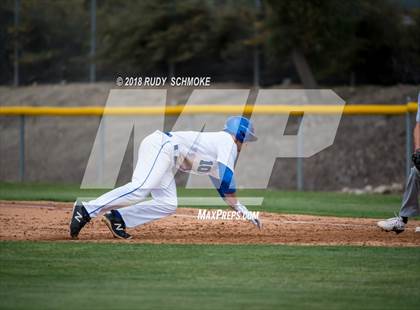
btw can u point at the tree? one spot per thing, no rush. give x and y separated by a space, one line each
333 38
150 33
52 39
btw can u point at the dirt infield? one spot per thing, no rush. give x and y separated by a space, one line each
43 221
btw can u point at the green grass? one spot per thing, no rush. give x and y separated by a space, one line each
317 203
73 275
39 191
333 204
136 276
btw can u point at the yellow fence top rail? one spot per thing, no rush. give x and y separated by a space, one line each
210 109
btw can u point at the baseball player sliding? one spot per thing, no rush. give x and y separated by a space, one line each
410 204
161 154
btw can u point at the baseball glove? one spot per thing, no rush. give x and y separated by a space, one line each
416 159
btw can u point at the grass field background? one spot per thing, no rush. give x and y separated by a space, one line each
121 276
317 203
76 275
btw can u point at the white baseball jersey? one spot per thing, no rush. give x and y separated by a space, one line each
191 151
200 152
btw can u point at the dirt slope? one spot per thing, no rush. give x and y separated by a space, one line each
48 221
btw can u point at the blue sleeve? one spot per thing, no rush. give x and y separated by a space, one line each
226 182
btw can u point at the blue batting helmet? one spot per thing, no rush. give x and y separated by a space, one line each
241 128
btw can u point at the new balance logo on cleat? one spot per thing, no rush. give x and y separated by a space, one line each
78 217
118 226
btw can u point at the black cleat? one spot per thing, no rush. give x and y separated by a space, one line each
79 219
116 224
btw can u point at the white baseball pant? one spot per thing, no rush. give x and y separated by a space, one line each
154 174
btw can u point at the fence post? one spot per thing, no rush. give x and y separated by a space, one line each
101 161
409 141
299 163
22 148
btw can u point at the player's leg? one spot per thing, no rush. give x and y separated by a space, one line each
154 159
164 203
410 204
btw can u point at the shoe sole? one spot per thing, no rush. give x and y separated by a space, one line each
398 231
395 231
74 237
109 225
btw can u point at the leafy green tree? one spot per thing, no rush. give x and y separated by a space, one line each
332 38
147 36
150 33
324 40
52 38
7 36
406 62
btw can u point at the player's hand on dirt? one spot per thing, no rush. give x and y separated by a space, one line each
250 217
247 214
257 223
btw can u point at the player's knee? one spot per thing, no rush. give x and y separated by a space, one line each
139 185
170 206
167 202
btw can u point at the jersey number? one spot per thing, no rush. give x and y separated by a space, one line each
205 166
